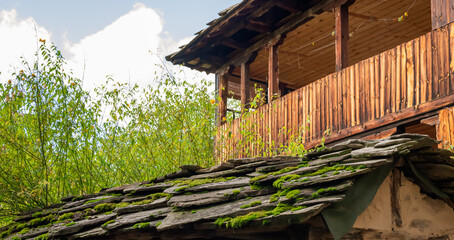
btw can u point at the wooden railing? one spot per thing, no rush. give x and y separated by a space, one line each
408 80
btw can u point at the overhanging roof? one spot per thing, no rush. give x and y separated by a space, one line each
248 24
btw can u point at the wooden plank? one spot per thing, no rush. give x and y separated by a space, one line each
387 55
322 112
382 83
429 66
451 125
423 68
434 14
451 55
332 111
392 80
245 87
403 78
382 134
340 101
377 85
273 72
346 96
372 87
312 111
443 42
435 66
398 78
352 102
356 92
410 74
341 37
367 90
417 78
450 11
317 108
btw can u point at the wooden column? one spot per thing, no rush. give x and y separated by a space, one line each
222 105
442 12
341 41
273 72
245 87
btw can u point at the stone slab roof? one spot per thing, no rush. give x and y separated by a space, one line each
247 198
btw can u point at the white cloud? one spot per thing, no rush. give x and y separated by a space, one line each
127 49
19 37
121 49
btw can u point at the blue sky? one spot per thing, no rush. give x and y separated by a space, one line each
79 18
103 37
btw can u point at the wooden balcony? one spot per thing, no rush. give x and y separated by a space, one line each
404 84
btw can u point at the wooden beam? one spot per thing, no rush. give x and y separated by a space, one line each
273 72
258 26
229 42
291 6
341 40
299 19
424 110
245 87
222 91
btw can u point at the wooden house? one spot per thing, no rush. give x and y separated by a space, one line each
332 70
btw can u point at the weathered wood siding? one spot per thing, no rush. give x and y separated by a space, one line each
442 12
445 128
410 79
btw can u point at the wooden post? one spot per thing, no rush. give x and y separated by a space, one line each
222 91
341 40
245 87
273 72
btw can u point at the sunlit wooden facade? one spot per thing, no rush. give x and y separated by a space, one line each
331 69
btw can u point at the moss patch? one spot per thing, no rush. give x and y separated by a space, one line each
70 224
252 204
244 220
156 196
104 207
66 216
141 225
107 223
42 237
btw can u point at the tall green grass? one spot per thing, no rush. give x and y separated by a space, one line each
58 140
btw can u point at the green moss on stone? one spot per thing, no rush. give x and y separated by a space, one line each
292 194
107 223
104 207
37 214
24 231
70 224
156 196
141 225
66 216
252 204
158 223
278 182
42 237
41 221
